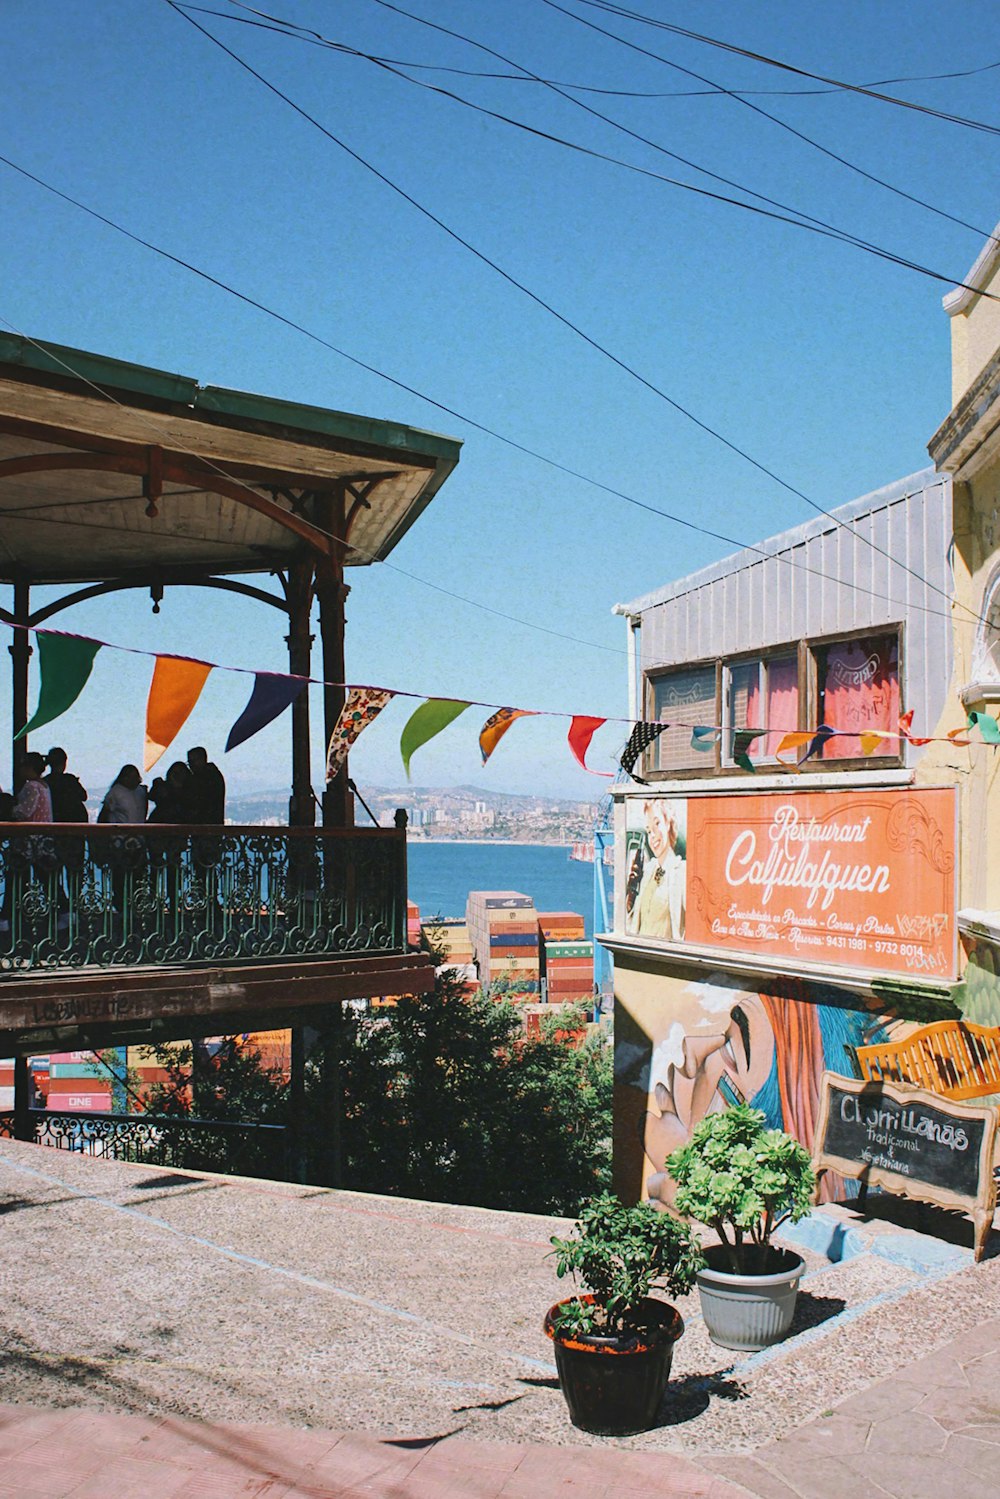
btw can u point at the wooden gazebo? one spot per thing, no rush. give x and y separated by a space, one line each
116 476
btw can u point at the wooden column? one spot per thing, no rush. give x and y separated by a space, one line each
301 808
23 1127
331 594
330 1155
296 1164
20 651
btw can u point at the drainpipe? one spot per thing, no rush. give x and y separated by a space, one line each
632 647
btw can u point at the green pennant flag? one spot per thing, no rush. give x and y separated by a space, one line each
987 725
742 740
64 662
429 719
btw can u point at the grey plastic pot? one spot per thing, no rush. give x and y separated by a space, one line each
748 1312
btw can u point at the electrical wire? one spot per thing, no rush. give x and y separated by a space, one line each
773 62
799 218
34 518
765 114
600 348
276 23
451 411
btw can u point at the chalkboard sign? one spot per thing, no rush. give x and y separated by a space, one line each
912 1142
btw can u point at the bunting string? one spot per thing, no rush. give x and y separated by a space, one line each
66 662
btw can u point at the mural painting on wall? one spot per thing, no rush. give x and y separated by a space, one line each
656 868
858 878
718 1042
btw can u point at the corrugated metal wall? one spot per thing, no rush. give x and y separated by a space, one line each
821 580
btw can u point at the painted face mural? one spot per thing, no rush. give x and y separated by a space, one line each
717 1043
718 1050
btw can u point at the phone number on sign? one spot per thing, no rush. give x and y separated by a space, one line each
912 954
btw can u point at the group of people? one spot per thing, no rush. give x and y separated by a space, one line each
193 792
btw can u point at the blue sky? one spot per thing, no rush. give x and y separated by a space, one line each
829 365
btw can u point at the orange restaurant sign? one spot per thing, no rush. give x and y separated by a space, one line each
860 878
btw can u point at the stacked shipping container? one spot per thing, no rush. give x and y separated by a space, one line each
79 1082
569 970
503 927
561 926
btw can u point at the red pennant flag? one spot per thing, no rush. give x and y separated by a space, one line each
905 724
581 732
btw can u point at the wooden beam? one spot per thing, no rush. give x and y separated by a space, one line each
44 1012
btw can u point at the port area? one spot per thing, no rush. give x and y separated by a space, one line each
287 1340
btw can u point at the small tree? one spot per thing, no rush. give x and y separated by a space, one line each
743 1180
620 1254
443 1098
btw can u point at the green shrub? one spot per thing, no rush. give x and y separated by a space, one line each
742 1180
619 1254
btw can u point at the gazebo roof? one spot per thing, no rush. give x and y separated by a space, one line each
112 469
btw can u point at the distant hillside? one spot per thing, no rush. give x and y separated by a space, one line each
454 812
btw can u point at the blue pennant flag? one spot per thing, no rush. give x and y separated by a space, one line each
272 694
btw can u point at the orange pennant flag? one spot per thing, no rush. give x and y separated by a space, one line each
792 742
173 692
496 727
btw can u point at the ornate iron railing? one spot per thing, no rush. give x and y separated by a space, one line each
73 894
162 1140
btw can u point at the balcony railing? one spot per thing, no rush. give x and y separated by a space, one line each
75 895
162 1140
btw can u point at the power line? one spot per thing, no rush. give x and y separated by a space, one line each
773 62
282 27
799 218
451 411
765 114
560 317
34 518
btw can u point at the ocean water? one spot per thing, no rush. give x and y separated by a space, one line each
442 874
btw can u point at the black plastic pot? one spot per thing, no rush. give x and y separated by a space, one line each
615 1386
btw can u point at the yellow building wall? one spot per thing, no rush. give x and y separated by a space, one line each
975 336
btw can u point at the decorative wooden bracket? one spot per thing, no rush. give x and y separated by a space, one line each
152 481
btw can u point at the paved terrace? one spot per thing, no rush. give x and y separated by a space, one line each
171 1334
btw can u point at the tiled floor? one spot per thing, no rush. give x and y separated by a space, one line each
66 1454
931 1431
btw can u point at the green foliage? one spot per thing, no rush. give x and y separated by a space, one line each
443 1098
619 1254
231 1085
742 1180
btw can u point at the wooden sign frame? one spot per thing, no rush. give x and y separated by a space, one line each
979 1205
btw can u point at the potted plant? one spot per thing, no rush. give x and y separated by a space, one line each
744 1180
614 1343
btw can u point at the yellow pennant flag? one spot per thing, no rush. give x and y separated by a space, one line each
872 738
792 741
173 692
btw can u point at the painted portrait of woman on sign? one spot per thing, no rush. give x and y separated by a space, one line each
656 869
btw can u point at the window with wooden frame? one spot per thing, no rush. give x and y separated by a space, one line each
857 688
762 693
690 695
852 683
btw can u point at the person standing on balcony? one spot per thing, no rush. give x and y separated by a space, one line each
125 801
69 797
209 789
173 796
33 802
